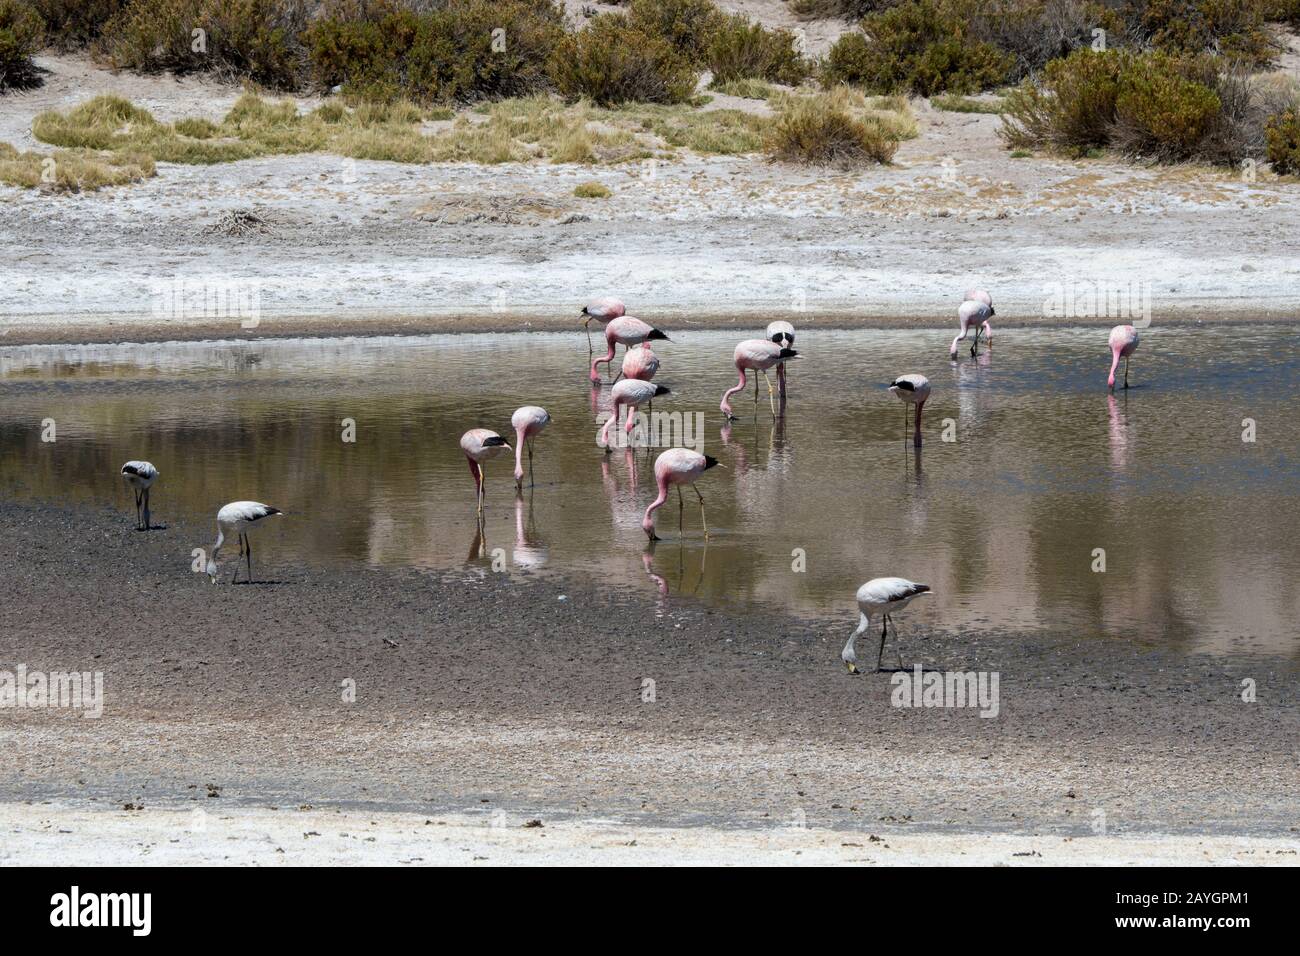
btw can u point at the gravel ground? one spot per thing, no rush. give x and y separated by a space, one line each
526 696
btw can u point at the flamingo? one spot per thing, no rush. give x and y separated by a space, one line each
912 390
782 333
640 363
633 393
755 355
629 331
677 466
527 423
140 475
480 445
602 310
239 517
978 295
880 596
1123 343
973 313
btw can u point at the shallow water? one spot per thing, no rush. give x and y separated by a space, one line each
1200 529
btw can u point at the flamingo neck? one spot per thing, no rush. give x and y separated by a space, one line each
519 452
648 524
221 537
609 357
726 405
476 470
1114 364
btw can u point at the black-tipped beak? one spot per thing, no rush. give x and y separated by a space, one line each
709 462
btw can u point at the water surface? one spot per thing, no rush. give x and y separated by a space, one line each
1200 529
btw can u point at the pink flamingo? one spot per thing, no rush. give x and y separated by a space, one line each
755 355
480 445
629 331
640 363
602 310
677 466
633 393
973 313
1123 343
979 295
527 422
782 333
912 390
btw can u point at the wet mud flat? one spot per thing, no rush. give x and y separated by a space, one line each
476 693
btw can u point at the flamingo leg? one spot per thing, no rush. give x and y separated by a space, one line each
146 509
883 631
1126 371
248 556
898 648
770 400
702 521
975 346
235 577
590 349
680 508
530 464
755 396
137 509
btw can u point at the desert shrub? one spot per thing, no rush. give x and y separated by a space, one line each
847 9
1151 105
1072 108
75 23
1283 149
920 47
743 49
613 62
687 25
466 50
592 190
1233 28
951 103
21 31
1160 112
258 39
1034 32
836 128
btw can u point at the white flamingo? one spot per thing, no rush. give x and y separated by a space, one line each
480 445
973 314
883 597
527 423
239 518
782 333
911 390
140 475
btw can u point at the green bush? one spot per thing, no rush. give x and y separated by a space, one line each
612 62
21 30
468 50
920 47
687 25
258 39
75 23
1283 149
742 49
1152 105
1233 28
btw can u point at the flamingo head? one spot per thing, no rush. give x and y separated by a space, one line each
212 571
648 526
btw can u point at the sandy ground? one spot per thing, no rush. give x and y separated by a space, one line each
60 836
711 241
476 696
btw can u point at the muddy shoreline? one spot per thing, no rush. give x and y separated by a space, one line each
525 694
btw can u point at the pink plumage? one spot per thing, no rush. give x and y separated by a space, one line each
677 466
627 331
602 310
756 355
1123 343
480 445
630 393
527 422
640 363
973 314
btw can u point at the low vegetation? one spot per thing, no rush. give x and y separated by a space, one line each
72 171
1283 142
592 190
1152 106
613 61
21 33
838 128
952 103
